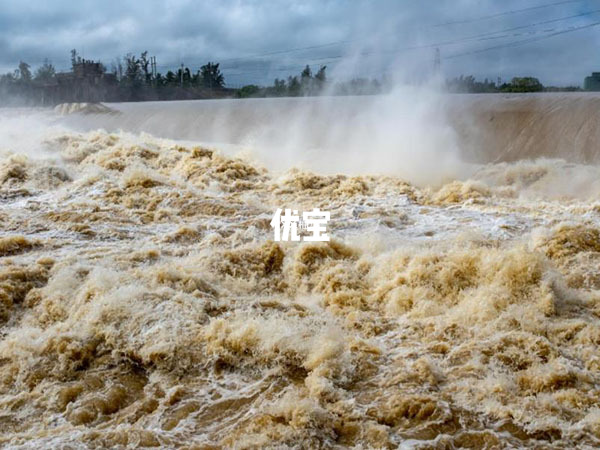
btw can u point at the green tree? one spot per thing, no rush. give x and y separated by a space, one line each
24 72
294 86
279 87
75 59
250 90
321 76
46 72
211 76
319 81
306 73
133 69
471 85
144 63
525 84
170 77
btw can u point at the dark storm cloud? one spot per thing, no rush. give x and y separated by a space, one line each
194 32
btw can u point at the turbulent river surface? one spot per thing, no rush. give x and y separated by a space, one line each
144 303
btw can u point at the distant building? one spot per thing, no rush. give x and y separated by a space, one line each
87 82
592 83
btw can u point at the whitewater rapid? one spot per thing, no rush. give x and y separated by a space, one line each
144 303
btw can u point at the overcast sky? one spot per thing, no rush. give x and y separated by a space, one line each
354 38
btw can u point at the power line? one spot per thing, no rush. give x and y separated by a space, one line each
331 59
524 41
544 22
506 13
278 69
292 50
330 44
479 37
490 35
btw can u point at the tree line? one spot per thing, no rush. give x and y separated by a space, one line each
309 84
136 78
133 78
468 84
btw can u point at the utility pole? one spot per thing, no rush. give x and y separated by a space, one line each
152 76
181 77
153 65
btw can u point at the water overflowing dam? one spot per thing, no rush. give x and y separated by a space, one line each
488 127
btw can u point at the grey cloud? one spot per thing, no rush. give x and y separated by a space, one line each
195 32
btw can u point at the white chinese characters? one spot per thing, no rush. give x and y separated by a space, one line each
286 226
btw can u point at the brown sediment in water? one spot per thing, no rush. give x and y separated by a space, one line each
144 303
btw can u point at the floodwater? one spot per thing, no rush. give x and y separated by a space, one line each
144 303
